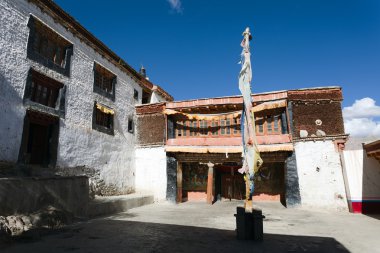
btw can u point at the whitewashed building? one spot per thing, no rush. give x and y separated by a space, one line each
67 103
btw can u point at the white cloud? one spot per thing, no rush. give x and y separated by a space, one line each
176 5
362 127
363 108
360 118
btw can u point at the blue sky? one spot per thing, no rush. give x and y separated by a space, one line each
191 47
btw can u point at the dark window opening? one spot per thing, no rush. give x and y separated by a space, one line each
103 119
135 94
145 97
48 48
104 82
44 90
131 126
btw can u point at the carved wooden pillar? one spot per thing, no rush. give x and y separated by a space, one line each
179 182
210 182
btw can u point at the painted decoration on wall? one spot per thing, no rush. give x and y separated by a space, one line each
194 177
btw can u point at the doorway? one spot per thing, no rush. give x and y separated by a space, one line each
40 139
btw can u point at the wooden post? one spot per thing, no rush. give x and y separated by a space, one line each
179 182
210 182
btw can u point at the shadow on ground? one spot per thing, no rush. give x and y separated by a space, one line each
104 235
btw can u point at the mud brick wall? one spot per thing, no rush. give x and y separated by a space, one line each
305 115
310 105
151 129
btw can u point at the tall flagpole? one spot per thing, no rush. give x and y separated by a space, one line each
251 156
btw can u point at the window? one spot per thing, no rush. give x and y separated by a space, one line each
44 90
275 124
260 126
135 94
48 48
104 82
131 126
179 128
270 124
236 126
222 127
145 97
228 126
193 128
103 119
184 128
214 127
45 94
203 127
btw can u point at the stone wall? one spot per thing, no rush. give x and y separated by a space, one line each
112 157
28 195
151 171
320 175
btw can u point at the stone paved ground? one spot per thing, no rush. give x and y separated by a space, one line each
198 227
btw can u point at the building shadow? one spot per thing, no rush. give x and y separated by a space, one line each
131 236
370 187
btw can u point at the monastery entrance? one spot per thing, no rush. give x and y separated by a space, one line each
214 177
39 139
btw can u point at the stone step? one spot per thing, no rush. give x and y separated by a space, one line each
107 205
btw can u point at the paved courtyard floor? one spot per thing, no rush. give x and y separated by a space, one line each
198 227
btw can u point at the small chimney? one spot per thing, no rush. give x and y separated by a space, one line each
143 71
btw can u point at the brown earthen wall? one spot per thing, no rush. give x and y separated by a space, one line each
305 115
327 94
151 129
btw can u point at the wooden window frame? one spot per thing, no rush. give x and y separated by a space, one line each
104 81
215 125
268 125
96 117
203 128
53 102
48 48
193 128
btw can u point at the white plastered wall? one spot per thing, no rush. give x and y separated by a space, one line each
151 176
363 175
156 98
79 145
320 175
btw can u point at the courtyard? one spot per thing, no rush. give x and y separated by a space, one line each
199 227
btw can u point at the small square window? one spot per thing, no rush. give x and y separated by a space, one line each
135 94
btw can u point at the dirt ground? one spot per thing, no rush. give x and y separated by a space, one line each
198 227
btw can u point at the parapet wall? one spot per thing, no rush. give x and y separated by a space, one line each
27 195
